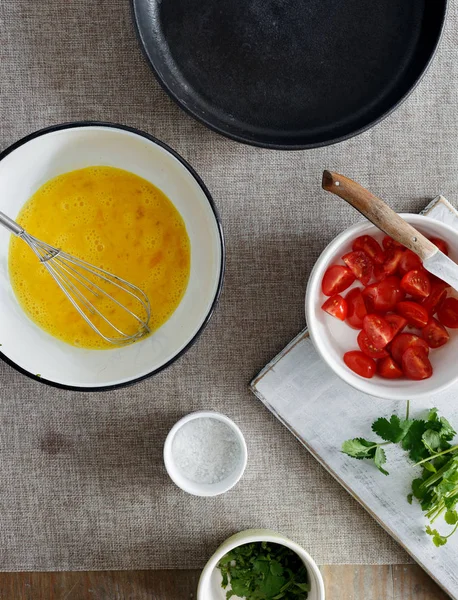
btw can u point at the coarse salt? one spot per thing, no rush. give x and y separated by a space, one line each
206 450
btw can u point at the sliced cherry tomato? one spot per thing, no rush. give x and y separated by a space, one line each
356 308
388 242
336 306
368 348
387 368
360 363
383 296
336 279
397 323
435 279
415 314
360 265
371 247
406 340
378 330
416 283
440 244
392 259
448 313
409 262
435 334
415 364
379 273
437 295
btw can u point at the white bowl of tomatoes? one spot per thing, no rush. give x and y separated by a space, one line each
378 318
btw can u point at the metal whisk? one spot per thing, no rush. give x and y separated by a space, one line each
73 274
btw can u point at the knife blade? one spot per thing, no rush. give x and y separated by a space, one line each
440 265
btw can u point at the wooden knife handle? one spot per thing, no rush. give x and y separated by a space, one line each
379 213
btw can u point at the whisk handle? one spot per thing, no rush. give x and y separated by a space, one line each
11 225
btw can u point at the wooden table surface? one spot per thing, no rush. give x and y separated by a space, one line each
343 582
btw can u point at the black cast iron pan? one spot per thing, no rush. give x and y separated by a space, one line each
289 74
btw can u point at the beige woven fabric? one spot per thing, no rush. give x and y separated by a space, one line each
82 484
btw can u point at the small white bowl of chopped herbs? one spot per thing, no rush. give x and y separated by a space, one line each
263 565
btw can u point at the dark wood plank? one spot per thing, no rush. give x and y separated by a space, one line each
100 585
358 582
343 582
363 582
412 582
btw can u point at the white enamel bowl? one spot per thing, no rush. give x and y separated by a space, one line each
332 338
32 161
209 587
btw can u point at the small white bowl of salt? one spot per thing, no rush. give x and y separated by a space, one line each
205 453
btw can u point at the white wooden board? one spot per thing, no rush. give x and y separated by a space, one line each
322 411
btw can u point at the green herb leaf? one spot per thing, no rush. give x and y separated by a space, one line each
433 414
417 488
451 517
429 467
276 568
413 442
438 539
431 440
446 432
359 448
393 430
380 459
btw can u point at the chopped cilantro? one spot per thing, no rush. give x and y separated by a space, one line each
264 571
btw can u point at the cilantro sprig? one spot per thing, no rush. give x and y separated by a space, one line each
427 442
264 571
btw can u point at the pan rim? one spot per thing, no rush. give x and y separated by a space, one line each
272 145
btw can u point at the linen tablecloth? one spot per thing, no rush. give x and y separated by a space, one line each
82 483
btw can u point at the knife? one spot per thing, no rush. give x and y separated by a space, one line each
384 217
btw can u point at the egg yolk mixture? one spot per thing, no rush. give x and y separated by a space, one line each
112 219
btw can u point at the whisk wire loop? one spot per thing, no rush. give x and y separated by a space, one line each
72 273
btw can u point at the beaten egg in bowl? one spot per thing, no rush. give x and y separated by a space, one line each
115 220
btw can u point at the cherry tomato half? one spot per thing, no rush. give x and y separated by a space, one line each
435 334
379 273
409 262
440 244
360 265
403 341
336 306
368 348
448 313
415 314
416 283
435 298
387 368
388 242
378 330
360 363
415 364
384 295
356 308
392 259
336 279
371 247
397 323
